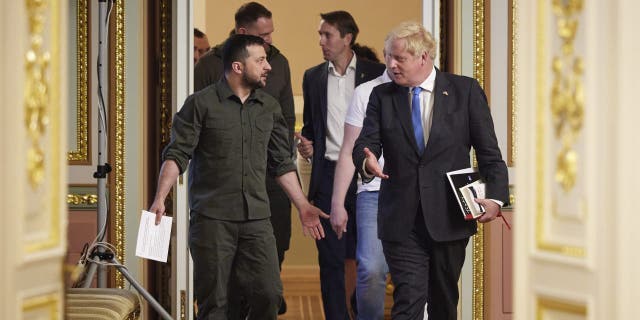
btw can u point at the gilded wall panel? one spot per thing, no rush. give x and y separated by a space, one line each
40 307
548 308
43 123
562 209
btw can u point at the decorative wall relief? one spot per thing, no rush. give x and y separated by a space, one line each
567 92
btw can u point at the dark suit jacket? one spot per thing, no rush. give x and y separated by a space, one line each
461 120
314 89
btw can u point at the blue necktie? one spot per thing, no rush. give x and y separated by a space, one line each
416 118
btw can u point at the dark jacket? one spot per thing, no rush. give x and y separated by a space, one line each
314 88
461 119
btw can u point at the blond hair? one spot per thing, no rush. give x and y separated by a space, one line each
417 39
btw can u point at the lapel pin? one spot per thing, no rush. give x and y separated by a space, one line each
361 75
445 93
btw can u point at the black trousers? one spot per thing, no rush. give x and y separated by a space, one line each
424 270
331 251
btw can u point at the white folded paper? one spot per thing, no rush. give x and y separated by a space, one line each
153 241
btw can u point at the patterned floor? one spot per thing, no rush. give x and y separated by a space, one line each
303 307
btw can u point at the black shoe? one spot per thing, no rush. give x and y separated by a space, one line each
283 307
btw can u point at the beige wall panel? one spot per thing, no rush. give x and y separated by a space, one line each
561 161
33 170
576 243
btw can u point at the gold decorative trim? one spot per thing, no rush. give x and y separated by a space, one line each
117 177
42 110
478 238
80 156
543 305
44 302
567 92
37 93
82 197
478 41
513 85
183 304
165 73
541 75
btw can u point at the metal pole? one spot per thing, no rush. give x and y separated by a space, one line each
152 302
103 167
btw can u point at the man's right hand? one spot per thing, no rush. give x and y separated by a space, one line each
305 146
157 207
372 166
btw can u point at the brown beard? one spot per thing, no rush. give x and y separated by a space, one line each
251 83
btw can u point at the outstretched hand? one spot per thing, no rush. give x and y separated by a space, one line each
310 218
372 166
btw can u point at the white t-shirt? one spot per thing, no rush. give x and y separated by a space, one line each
355 117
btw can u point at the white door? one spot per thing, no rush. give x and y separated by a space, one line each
33 159
577 226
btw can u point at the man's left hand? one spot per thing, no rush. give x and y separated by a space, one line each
491 208
310 218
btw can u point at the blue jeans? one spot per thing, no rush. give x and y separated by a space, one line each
372 267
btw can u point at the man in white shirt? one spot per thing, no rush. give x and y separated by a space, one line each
327 90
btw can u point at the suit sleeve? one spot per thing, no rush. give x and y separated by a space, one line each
307 118
483 139
370 134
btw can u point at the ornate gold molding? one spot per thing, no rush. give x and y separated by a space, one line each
48 303
542 73
543 305
81 154
165 72
37 92
567 92
478 238
513 85
82 197
117 89
42 122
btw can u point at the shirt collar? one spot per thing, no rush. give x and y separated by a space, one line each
430 82
225 91
352 65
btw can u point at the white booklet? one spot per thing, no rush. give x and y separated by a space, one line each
153 241
467 185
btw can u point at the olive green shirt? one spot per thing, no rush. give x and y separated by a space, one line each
232 146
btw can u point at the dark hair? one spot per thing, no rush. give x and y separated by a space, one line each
198 34
343 21
249 13
235 49
365 53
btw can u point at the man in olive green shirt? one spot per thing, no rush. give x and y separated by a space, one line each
230 135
